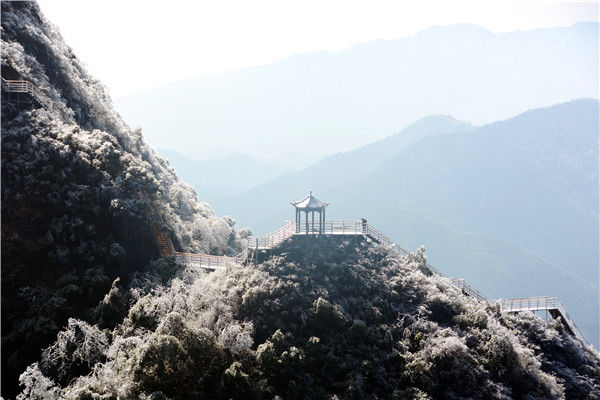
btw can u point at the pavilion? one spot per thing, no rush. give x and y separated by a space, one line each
310 205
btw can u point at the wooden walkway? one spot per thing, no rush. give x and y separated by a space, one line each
166 248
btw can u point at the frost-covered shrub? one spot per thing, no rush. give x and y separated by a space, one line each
112 309
329 319
236 382
36 385
180 361
326 317
75 352
476 319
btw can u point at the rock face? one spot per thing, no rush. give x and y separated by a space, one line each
318 318
77 188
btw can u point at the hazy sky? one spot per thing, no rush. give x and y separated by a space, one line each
131 45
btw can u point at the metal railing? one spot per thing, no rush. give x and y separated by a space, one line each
274 238
541 304
338 227
469 290
528 304
330 227
22 86
14 86
206 260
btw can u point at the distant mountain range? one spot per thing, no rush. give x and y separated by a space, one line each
315 104
511 206
333 171
222 177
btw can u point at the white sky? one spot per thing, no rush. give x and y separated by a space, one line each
131 45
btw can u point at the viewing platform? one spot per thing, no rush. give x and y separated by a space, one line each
350 227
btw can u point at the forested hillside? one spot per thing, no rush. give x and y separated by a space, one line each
316 319
78 188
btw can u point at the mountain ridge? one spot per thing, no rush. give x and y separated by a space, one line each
322 97
579 24
224 176
321 173
551 157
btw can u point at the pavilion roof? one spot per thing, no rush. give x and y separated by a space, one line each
310 202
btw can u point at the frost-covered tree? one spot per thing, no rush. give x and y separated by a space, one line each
80 190
322 319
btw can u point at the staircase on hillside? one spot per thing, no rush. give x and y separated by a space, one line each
164 244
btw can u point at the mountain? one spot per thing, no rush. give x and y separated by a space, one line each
222 177
510 206
531 181
80 191
506 179
316 318
332 171
315 104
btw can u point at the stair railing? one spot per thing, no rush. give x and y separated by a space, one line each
22 86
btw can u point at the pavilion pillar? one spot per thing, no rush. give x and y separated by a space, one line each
321 221
307 222
312 229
